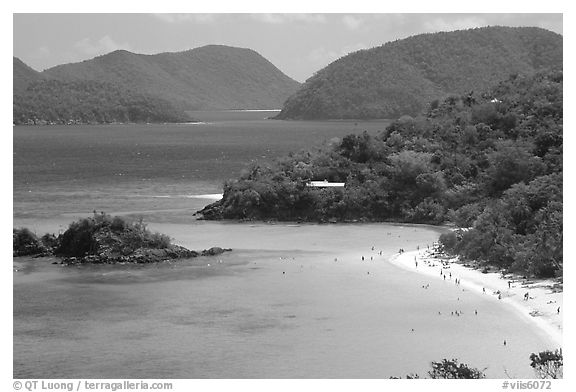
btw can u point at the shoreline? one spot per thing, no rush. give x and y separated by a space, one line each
540 309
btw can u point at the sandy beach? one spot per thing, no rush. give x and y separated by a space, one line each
543 306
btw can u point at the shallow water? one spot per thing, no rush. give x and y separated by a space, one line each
278 306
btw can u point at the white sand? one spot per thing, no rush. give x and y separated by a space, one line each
541 308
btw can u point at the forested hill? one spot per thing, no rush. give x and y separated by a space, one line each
23 75
401 77
491 162
209 77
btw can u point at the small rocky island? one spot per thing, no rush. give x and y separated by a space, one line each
104 239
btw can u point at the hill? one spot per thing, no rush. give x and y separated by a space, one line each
23 75
209 77
401 77
46 101
490 162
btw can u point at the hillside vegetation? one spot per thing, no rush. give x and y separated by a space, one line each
401 77
491 162
209 77
87 102
126 87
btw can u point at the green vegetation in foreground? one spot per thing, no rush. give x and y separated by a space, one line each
104 239
401 77
546 364
491 163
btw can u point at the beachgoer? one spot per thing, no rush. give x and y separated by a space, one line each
371 258
499 296
475 312
526 296
504 341
558 310
484 290
450 275
372 248
362 258
444 277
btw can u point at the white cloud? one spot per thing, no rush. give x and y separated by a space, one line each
287 18
104 45
352 22
180 18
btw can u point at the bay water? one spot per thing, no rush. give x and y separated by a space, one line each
290 301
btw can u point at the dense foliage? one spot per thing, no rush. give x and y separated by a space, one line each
209 77
489 162
114 235
548 364
401 77
27 243
87 102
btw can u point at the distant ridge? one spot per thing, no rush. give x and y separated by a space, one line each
126 87
401 77
209 77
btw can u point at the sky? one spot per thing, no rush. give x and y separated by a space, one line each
299 44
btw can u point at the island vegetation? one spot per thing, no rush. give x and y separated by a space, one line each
127 87
104 239
403 76
488 162
88 102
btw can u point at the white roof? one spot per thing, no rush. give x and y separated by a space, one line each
325 183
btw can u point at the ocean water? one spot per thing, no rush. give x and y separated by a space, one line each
137 169
290 300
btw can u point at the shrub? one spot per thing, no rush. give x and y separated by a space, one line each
548 364
24 243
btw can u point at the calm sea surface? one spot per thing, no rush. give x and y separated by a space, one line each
291 301
143 168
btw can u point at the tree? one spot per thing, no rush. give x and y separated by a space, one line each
451 369
548 364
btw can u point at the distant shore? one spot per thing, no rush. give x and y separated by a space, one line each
543 307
